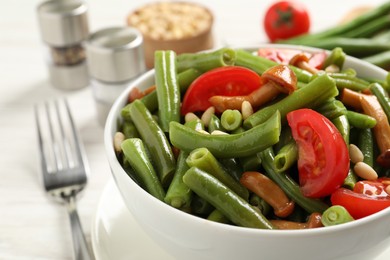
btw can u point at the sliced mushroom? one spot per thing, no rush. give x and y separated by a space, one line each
301 61
277 79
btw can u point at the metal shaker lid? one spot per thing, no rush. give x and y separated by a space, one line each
115 54
63 22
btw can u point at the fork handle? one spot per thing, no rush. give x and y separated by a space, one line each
80 245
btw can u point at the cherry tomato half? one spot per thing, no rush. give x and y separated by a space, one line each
323 157
283 56
225 81
286 19
367 197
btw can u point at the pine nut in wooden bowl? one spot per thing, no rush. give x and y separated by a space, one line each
179 26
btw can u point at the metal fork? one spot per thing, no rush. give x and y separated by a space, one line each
63 162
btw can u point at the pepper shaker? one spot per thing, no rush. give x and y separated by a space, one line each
115 57
64 30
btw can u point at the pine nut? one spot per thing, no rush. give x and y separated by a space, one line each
332 68
206 116
355 154
218 132
190 117
202 131
119 137
246 109
365 171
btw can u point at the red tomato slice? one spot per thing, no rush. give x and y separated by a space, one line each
283 56
323 160
225 81
286 19
359 205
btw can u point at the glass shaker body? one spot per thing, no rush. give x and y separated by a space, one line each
115 58
64 30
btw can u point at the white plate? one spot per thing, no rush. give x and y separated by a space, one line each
116 234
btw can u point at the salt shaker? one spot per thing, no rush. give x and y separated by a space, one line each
64 30
115 57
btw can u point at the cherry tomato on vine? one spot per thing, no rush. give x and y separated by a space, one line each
323 157
225 81
286 19
367 197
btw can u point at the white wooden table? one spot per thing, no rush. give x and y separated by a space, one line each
31 225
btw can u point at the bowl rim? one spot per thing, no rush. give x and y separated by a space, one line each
111 123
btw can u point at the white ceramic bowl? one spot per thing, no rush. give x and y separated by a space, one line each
188 237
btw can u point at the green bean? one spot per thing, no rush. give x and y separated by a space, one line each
286 157
260 203
129 129
342 124
314 94
231 119
235 208
335 215
232 167
167 87
186 77
332 108
366 145
285 138
136 155
350 82
196 124
250 163
360 120
358 47
155 140
203 159
217 216
336 57
382 96
260 64
370 28
228 146
288 185
205 61
215 124
381 59
339 30
178 194
200 206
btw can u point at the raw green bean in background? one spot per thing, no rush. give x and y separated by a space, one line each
260 64
235 208
360 120
336 57
314 94
370 28
205 61
288 185
167 87
231 119
286 157
340 30
335 215
217 216
243 144
155 140
366 145
332 108
203 159
136 155
382 96
381 59
178 194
